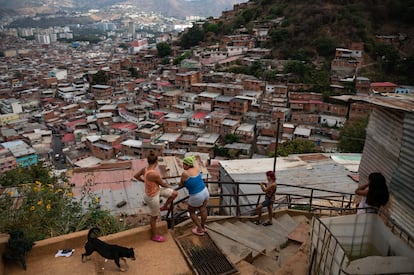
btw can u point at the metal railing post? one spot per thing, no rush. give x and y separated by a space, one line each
310 200
237 199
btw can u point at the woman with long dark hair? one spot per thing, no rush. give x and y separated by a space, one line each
374 194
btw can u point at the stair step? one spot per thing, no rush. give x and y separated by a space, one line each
278 228
267 263
220 229
234 251
300 219
252 235
288 222
275 237
286 253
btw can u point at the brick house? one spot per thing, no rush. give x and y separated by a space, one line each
102 91
148 130
7 160
303 118
105 146
170 98
214 121
206 143
222 103
174 125
362 85
228 126
246 133
185 80
198 119
239 106
206 101
383 87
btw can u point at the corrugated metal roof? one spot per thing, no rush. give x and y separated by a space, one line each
113 182
397 103
324 173
310 170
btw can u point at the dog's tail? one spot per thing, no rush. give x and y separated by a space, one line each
93 233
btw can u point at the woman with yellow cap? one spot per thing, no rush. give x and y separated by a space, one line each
192 179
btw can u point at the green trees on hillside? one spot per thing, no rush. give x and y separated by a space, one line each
164 49
306 32
326 47
101 77
42 205
210 27
352 136
192 37
296 146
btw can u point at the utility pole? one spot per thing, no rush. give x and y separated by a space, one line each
276 145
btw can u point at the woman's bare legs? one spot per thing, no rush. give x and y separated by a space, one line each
259 212
270 210
203 214
153 224
195 218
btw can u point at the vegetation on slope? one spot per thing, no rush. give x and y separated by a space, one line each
310 32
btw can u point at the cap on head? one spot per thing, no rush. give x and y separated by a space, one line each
189 160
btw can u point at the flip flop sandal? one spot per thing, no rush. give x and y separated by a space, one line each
195 232
158 238
256 222
267 224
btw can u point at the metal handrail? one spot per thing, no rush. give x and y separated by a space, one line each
335 196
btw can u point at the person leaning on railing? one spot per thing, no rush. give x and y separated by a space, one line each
154 188
192 179
270 189
374 194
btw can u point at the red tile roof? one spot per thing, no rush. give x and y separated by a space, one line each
124 126
68 137
140 80
72 124
383 84
199 115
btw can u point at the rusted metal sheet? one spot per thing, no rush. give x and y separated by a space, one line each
405 104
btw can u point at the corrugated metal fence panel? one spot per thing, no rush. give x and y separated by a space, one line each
389 149
402 215
382 144
402 181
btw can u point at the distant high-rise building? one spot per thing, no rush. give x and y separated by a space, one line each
131 29
43 39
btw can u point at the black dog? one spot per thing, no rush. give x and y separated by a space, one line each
108 251
17 247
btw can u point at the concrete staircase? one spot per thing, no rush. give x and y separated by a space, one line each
265 247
